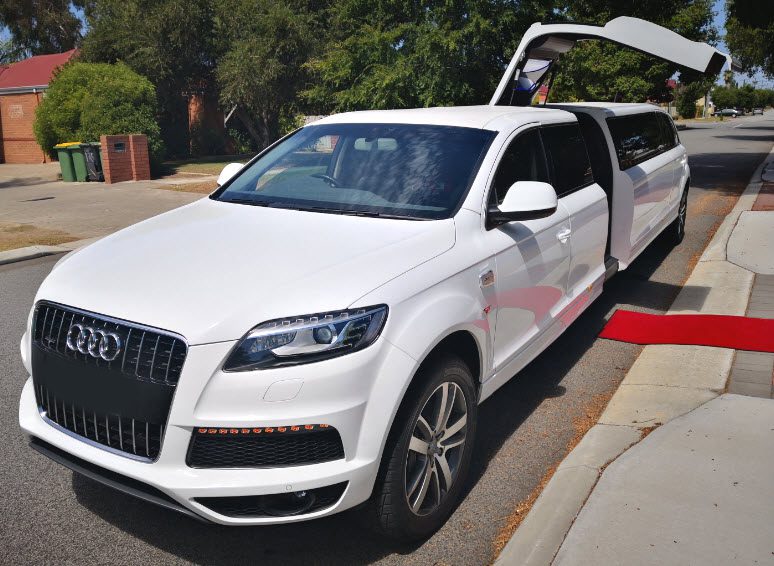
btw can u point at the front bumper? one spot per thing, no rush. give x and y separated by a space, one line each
358 394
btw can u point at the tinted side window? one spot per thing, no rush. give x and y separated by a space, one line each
668 130
567 156
637 138
523 160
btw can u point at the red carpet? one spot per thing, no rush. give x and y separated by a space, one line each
738 332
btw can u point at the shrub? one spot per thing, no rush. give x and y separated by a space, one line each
87 100
686 100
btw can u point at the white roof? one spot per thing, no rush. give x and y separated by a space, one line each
609 108
482 117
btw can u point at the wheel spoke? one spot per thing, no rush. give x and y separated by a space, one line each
426 430
426 480
443 466
442 408
436 486
454 444
451 430
418 445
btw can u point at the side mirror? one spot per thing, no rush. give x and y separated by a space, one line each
229 171
525 200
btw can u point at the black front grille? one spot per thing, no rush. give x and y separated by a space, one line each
276 505
122 404
134 436
262 450
146 354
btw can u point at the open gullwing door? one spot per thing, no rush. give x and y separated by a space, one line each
542 45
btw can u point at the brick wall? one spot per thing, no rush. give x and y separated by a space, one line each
17 140
125 158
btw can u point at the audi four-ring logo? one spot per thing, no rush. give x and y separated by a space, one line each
93 341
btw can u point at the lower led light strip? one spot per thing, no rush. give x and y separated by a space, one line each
291 429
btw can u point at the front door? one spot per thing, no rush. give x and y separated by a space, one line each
532 258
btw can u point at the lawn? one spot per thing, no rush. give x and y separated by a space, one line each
14 236
211 165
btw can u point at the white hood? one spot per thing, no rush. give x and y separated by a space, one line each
212 270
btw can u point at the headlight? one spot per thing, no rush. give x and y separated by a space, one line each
304 339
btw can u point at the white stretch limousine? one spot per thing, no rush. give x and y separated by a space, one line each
319 332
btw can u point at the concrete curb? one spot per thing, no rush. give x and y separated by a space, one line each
648 396
32 252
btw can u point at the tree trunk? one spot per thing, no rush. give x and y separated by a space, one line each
245 118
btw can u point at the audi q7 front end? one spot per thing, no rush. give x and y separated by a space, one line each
232 359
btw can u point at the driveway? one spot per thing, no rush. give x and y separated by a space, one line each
31 194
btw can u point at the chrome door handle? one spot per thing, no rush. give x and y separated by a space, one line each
564 235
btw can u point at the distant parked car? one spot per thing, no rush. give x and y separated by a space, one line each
733 112
757 111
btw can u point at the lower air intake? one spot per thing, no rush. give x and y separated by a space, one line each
276 505
270 447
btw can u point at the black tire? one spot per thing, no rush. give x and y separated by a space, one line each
395 517
677 228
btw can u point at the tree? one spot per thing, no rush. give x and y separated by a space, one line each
10 52
41 26
170 42
87 100
262 64
724 97
687 96
401 53
596 70
750 34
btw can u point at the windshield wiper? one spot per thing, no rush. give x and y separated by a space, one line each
251 202
342 211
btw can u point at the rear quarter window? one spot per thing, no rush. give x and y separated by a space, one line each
567 158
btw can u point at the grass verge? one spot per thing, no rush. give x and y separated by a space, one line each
13 236
212 165
203 188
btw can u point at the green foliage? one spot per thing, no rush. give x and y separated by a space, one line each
746 97
595 70
261 67
171 42
10 52
87 100
206 141
750 34
241 142
686 100
41 26
399 53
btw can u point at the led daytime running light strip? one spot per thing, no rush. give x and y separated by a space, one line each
261 430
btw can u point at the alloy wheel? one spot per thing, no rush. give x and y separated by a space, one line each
435 449
682 213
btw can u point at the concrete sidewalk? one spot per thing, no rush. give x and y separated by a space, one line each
32 195
698 489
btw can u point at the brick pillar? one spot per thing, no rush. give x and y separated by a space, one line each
138 149
116 158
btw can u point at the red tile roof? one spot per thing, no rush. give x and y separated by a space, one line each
35 71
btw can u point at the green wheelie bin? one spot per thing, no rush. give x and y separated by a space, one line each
66 160
79 163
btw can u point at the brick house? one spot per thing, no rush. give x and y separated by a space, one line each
22 86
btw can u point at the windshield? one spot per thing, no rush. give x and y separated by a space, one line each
391 170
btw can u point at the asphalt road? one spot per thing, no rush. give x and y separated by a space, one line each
49 515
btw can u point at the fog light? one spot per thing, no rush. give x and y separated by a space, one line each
285 505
